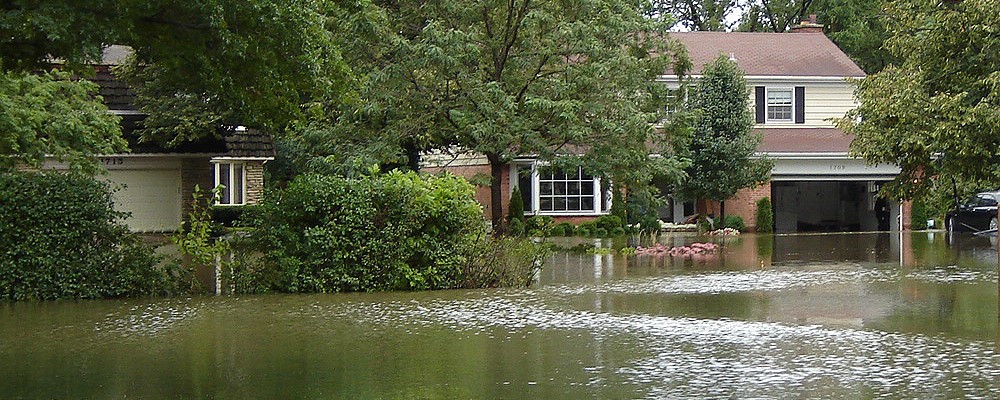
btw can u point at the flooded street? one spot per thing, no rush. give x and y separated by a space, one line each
910 315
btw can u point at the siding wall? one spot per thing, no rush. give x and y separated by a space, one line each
824 101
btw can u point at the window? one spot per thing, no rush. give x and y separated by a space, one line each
549 191
232 177
559 191
779 105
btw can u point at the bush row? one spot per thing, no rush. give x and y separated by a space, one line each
60 237
394 231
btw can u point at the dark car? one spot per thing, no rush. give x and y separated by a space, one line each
977 214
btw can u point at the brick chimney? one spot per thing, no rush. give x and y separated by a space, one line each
807 26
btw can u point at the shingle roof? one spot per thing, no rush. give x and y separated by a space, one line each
116 94
770 54
803 140
249 143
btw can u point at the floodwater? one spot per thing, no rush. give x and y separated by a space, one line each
798 316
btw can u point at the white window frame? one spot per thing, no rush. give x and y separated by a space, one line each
768 105
534 208
225 198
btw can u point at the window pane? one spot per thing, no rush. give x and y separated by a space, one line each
587 188
559 204
226 195
779 97
573 203
237 191
560 188
587 203
545 204
545 188
573 188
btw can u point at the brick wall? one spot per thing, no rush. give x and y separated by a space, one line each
744 204
195 171
255 181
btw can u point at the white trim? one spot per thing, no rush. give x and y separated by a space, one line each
767 112
242 159
781 78
229 185
125 112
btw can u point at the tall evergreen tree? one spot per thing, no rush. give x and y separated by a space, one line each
723 144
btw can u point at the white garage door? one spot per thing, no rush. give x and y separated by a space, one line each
152 196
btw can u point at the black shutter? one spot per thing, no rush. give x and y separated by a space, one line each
800 104
761 103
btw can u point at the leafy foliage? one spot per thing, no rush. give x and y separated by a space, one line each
60 238
398 231
935 112
859 28
195 239
51 114
764 216
734 222
504 79
723 143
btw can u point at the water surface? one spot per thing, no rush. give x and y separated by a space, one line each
798 316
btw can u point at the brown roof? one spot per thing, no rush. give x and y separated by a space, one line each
803 140
770 54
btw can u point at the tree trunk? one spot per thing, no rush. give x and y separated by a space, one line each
496 194
722 214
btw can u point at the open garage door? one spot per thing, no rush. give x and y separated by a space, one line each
153 196
831 206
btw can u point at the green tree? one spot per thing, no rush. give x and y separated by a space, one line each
936 112
509 78
197 65
723 144
51 114
773 15
859 28
698 15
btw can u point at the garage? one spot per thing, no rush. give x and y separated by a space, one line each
831 206
831 193
151 192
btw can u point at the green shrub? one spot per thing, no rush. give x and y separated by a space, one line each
609 222
734 222
539 225
61 238
919 214
230 216
618 231
587 228
558 230
517 227
600 232
764 216
566 228
515 209
396 231
503 262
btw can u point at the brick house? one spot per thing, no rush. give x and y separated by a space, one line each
799 83
156 184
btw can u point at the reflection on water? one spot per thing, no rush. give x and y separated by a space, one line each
800 316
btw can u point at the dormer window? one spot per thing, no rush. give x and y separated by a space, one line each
779 105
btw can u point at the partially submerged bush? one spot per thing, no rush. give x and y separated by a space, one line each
539 225
503 262
765 216
397 231
733 222
60 237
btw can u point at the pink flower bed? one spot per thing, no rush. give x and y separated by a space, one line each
678 251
